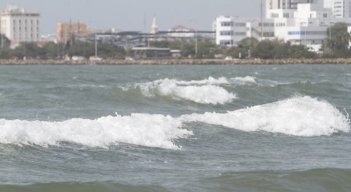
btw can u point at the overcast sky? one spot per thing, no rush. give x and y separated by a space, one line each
135 14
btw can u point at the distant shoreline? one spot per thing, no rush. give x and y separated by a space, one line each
179 62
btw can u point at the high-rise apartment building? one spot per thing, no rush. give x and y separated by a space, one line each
285 4
340 8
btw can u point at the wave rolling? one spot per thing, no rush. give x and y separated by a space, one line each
137 129
207 91
297 116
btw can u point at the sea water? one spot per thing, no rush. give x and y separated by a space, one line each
175 128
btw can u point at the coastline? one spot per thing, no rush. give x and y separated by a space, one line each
179 62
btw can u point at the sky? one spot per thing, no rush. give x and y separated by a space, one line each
135 15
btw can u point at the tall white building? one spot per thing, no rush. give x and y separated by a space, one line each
19 25
286 4
339 8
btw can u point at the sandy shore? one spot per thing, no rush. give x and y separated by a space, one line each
178 61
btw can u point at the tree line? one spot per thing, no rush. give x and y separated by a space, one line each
53 50
335 46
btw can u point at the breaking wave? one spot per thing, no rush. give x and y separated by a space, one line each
297 116
137 129
205 91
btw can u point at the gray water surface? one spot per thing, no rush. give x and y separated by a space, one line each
212 158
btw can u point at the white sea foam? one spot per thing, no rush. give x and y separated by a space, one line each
244 80
205 91
138 129
209 81
298 116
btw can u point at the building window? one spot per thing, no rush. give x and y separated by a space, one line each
296 33
274 15
240 24
226 33
266 24
268 34
226 43
227 24
240 33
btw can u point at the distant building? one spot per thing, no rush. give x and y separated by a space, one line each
154 26
181 31
306 24
69 31
286 4
340 8
20 26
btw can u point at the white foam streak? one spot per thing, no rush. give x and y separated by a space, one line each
202 91
298 116
138 129
244 80
209 81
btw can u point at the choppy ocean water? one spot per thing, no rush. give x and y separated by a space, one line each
175 128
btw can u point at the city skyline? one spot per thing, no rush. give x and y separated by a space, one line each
123 15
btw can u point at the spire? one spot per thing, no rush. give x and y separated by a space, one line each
154 27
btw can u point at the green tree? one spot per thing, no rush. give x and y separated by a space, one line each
4 41
300 51
28 50
237 52
206 49
245 47
111 51
264 50
52 51
271 50
248 43
5 53
338 40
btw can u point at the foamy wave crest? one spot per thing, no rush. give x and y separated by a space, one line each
205 91
209 81
298 116
244 80
138 129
